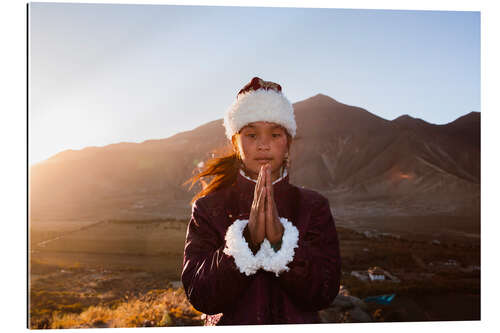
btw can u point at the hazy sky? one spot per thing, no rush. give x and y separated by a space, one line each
103 74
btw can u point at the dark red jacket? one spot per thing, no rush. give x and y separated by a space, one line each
214 283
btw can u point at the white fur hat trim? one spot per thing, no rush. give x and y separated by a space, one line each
260 105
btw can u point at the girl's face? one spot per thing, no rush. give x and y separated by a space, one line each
260 143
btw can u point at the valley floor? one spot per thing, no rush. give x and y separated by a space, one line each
438 279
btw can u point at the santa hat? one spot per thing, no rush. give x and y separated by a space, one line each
259 100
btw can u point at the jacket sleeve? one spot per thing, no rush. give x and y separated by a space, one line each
211 277
312 275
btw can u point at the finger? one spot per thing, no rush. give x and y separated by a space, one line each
259 181
270 179
268 176
263 172
273 210
269 182
257 190
269 211
259 186
272 230
262 213
261 200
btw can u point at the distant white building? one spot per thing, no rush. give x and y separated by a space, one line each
376 274
360 275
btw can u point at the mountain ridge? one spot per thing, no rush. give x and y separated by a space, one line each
342 151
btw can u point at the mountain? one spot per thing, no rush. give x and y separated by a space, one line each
345 152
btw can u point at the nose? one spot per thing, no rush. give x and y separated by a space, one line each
263 144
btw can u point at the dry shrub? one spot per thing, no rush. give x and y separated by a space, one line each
156 308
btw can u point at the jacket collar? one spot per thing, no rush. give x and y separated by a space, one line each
285 173
247 185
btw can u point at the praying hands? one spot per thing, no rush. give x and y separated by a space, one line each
264 220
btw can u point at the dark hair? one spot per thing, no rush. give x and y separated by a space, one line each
223 169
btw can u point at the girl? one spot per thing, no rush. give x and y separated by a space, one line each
258 249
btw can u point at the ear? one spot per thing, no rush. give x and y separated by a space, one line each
288 141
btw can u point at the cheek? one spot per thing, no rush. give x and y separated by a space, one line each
246 148
281 146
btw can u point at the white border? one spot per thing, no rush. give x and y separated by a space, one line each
12 30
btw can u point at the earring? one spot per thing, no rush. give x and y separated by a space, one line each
285 160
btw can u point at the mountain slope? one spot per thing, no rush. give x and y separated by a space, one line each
342 151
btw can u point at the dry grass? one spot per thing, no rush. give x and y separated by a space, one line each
71 295
157 308
79 297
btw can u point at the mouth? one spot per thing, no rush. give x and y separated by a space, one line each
263 160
